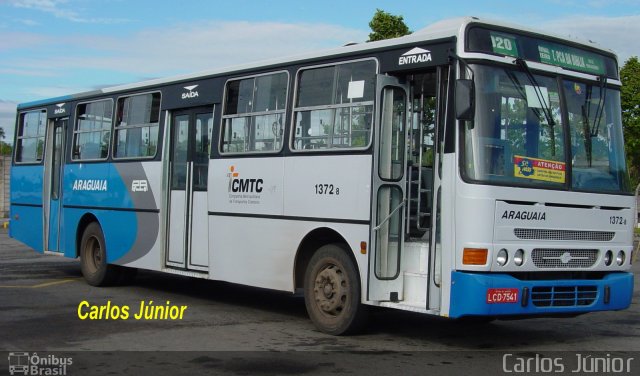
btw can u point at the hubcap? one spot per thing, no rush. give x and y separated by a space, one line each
93 253
330 290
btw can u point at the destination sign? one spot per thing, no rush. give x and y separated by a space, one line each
563 57
541 50
504 44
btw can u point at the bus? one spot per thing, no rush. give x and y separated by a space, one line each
471 169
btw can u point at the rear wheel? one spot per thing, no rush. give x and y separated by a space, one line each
93 258
332 292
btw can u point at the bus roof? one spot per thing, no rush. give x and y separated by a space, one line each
448 28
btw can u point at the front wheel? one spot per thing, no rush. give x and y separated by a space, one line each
93 258
332 292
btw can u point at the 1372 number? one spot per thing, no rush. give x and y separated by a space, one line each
327 189
616 220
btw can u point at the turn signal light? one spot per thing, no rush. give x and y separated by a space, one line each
363 248
474 256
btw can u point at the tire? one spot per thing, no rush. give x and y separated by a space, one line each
332 292
93 258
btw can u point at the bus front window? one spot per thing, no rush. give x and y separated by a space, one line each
597 146
517 137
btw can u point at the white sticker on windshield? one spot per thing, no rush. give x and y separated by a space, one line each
356 89
534 96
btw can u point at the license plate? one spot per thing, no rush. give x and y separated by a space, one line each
502 296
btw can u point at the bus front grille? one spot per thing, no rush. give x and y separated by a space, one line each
545 258
563 296
545 234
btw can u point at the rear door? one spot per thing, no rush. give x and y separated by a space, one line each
53 188
190 145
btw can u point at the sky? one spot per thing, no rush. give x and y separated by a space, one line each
51 48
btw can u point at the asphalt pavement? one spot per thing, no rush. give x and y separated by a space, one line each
239 330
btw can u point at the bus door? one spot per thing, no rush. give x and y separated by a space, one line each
54 167
389 198
443 101
187 228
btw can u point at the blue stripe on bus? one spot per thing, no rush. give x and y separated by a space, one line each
26 205
469 295
26 184
45 101
26 225
99 184
119 229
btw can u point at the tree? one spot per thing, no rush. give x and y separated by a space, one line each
385 25
5 149
630 97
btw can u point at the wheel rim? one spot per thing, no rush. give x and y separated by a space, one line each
93 252
331 290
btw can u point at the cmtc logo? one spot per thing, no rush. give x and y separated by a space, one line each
191 93
415 55
60 110
236 184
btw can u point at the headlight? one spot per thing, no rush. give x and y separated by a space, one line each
518 257
503 257
620 258
608 257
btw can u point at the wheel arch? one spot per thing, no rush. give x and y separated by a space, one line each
85 220
310 244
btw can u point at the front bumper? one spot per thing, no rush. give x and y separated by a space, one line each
538 297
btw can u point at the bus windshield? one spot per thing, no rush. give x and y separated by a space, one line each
519 136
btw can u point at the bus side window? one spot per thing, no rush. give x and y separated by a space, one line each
30 142
137 124
92 132
334 106
253 113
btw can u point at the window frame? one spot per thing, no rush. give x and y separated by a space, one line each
76 131
557 81
560 78
115 127
224 117
295 109
19 127
570 165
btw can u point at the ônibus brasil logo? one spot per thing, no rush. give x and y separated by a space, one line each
415 55
31 364
191 93
236 184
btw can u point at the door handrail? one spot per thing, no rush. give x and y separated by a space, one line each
377 228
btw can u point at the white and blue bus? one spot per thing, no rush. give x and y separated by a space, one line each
471 169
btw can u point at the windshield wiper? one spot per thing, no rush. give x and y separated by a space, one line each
546 110
600 109
591 130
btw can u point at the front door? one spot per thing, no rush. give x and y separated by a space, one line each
53 194
190 145
389 198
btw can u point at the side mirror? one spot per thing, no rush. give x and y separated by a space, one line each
465 99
